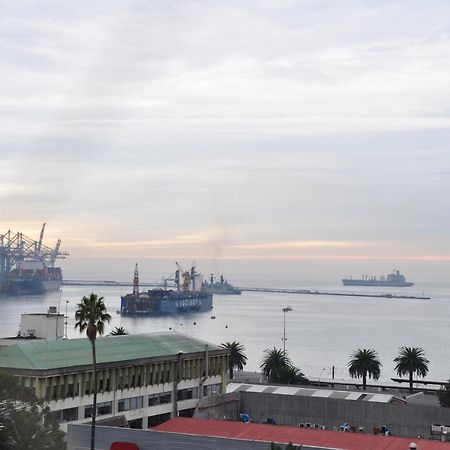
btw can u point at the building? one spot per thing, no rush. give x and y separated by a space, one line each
143 380
193 434
49 325
335 409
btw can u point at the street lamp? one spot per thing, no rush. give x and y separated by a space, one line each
285 310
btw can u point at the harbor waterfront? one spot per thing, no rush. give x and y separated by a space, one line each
321 331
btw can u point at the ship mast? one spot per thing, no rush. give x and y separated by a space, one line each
136 281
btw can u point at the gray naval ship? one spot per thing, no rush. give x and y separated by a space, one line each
221 287
394 279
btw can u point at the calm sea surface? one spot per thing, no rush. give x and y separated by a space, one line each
321 331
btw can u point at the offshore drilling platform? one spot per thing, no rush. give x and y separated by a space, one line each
27 266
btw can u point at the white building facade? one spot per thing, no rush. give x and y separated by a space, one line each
143 380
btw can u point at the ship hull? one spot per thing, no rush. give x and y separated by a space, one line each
160 303
32 286
351 282
222 291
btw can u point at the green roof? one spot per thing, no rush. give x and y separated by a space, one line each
48 355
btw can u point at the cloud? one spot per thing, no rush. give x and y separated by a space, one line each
234 130
301 245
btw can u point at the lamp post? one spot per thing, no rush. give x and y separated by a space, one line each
321 372
285 310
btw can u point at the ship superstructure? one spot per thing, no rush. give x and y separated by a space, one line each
394 279
221 287
27 266
186 297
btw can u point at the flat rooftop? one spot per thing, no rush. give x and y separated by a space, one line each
310 391
59 354
298 436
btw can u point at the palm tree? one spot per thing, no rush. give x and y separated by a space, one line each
238 359
91 316
274 361
118 331
291 375
409 361
364 362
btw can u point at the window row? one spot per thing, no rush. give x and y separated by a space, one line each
128 404
126 378
102 409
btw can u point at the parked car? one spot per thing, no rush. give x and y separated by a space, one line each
123 446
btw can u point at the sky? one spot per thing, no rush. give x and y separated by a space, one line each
307 138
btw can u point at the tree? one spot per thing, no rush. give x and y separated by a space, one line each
363 363
238 359
444 395
91 316
118 331
274 361
409 361
278 368
291 375
25 424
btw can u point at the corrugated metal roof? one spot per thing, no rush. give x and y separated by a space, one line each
312 392
52 354
298 436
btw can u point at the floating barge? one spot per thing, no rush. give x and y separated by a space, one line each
157 302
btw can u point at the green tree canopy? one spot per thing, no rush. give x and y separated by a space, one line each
291 375
238 359
25 424
118 331
411 360
363 363
278 368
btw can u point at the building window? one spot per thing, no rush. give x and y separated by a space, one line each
153 421
212 389
187 394
159 399
102 409
66 415
128 404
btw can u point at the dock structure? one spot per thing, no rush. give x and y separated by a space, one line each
255 289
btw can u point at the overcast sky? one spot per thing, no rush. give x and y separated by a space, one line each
229 131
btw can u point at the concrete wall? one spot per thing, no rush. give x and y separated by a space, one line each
402 420
219 407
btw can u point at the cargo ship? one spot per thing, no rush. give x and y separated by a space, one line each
394 279
27 266
221 287
34 281
184 298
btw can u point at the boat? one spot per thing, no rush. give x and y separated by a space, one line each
221 287
394 279
34 282
27 266
184 298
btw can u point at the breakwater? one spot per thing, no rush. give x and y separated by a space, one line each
255 289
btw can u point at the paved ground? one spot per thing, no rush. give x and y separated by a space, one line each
78 438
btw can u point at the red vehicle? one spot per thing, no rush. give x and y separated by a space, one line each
123 446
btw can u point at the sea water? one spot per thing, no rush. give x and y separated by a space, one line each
321 331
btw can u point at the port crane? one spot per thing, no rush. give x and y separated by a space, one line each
17 248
